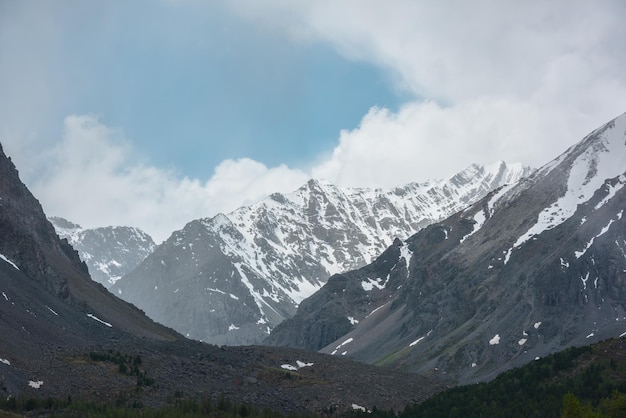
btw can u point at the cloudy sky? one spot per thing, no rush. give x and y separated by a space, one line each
154 113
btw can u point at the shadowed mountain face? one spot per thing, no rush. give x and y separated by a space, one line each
30 241
232 278
30 245
530 269
57 327
109 252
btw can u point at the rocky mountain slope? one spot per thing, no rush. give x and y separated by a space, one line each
63 335
232 278
532 268
29 244
109 252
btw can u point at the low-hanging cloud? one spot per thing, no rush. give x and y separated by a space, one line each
91 177
389 149
424 140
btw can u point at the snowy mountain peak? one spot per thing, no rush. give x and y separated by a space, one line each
581 171
109 252
605 140
64 224
65 228
252 267
318 184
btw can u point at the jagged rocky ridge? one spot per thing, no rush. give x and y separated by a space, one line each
52 316
232 278
109 252
532 268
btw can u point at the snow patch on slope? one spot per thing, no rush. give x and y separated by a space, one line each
347 341
299 365
420 339
601 160
95 318
370 284
3 257
407 254
478 220
612 191
35 384
604 229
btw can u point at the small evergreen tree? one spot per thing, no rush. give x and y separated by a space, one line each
571 407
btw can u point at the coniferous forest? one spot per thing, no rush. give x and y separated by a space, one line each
587 381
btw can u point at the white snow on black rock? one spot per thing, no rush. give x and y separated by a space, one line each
531 269
230 279
109 252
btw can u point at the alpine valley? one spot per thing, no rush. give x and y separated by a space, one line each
505 266
67 343
232 278
530 269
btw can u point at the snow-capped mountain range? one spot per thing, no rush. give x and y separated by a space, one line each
109 252
532 268
57 326
230 279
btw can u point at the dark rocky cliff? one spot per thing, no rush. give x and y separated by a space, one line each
29 240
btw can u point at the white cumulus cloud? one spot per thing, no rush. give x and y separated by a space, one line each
518 81
92 178
490 80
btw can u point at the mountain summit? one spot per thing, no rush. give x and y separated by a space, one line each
232 278
532 268
109 252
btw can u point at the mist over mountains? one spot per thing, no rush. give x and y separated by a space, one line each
232 278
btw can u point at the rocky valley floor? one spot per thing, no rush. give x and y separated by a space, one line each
155 374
